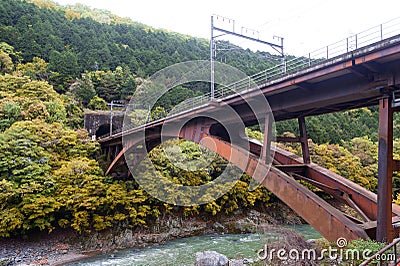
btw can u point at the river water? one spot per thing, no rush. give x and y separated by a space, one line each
183 251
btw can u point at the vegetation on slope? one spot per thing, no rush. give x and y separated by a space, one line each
73 42
49 171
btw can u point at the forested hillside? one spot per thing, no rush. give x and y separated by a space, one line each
49 169
72 41
55 61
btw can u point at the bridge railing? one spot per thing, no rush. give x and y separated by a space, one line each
359 40
378 256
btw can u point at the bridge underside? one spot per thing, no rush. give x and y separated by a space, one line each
365 77
283 180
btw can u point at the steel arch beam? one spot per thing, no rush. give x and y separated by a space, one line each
329 221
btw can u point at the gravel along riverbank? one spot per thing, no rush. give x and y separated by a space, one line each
63 246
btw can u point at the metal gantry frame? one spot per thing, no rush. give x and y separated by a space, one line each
276 47
111 105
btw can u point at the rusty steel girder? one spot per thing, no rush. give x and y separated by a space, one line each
365 201
348 81
281 180
385 170
327 220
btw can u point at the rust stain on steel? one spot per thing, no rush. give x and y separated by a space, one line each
388 51
330 222
385 158
365 199
115 161
286 85
304 140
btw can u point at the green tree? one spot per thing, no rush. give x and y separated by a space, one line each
33 152
157 113
339 160
65 62
74 112
37 69
10 112
97 103
10 51
6 64
83 89
29 99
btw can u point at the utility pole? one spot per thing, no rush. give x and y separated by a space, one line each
111 117
212 58
113 104
282 54
276 47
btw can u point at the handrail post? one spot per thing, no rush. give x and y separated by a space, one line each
356 41
380 252
327 52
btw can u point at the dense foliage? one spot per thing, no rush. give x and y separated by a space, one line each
75 39
49 175
356 159
341 126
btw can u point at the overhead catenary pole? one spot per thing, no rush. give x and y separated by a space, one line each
212 59
276 47
283 57
282 53
112 105
111 117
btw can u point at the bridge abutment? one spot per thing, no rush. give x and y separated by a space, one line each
99 123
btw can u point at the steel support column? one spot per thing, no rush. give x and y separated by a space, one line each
108 154
266 148
385 171
304 141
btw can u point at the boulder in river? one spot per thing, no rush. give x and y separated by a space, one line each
211 258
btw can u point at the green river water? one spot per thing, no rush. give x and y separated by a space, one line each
183 251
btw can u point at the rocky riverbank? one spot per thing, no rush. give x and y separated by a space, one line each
62 246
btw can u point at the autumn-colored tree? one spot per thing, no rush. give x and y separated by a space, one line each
37 69
97 103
